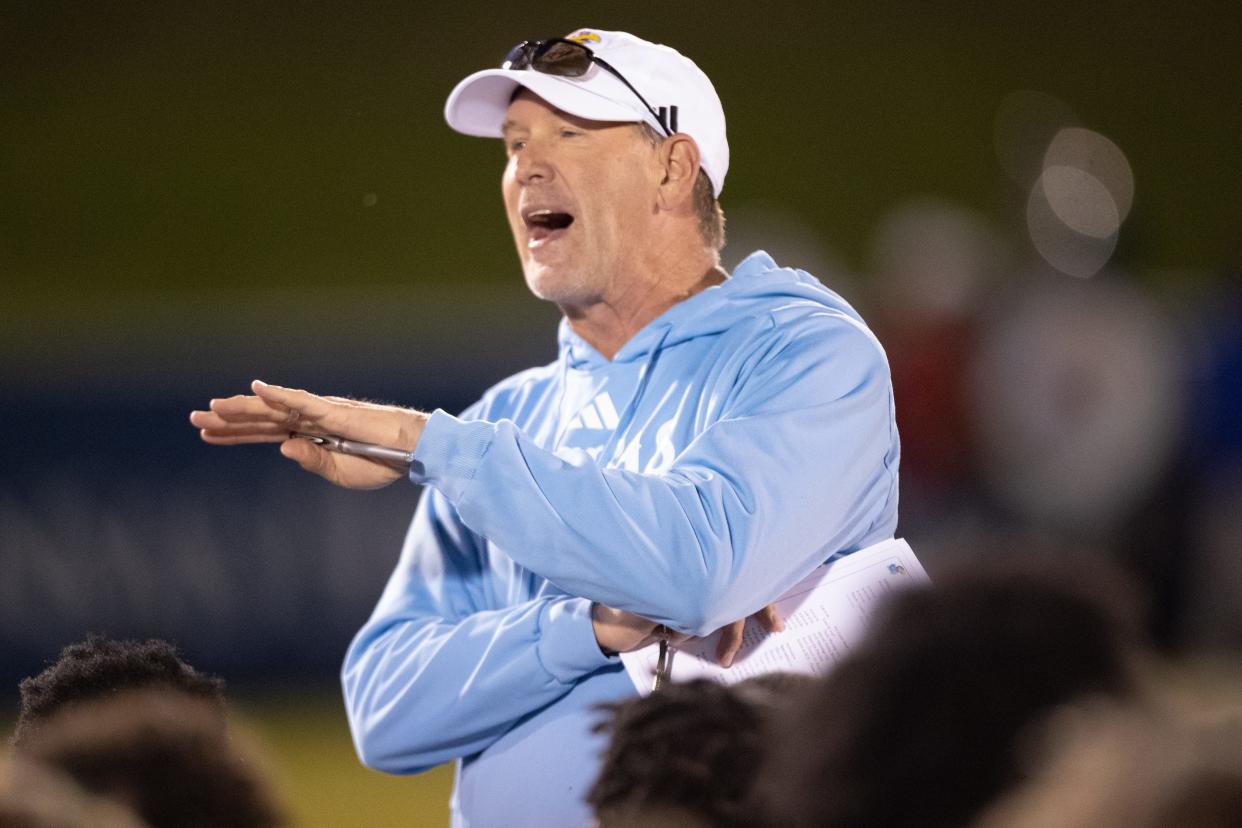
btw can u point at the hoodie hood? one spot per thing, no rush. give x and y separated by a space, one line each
757 286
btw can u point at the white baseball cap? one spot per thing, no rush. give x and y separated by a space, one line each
678 91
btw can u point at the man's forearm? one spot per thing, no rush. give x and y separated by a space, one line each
420 691
691 554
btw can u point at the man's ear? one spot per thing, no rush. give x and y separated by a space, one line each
679 156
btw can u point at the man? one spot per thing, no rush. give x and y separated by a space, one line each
701 443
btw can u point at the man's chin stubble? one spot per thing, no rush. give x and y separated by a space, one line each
561 291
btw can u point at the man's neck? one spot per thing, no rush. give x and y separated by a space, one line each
607 325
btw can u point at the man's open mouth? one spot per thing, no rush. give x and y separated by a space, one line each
545 225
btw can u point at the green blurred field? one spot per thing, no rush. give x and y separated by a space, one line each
306 740
303 738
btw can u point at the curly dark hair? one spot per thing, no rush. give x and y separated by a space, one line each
169 756
101 667
692 748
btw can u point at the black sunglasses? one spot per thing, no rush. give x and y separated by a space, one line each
570 59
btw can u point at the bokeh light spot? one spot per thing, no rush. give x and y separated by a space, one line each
1092 153
1081 201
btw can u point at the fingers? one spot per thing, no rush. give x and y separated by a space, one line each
731 636
304 403
770 620
309 456
239 422
270 404
236 421
266 417
214 421
243 408
228 438
676 639
274 410
730 642
650 639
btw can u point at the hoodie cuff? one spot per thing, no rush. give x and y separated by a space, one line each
566 646
449 452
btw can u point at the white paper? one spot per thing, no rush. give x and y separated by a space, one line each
825 616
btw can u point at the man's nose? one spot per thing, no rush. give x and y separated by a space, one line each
533 164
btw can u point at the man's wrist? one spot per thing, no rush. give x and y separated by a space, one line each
411 429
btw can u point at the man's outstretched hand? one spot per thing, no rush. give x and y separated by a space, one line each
273 413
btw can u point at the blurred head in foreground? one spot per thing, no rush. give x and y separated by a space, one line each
100 668
168 756
1131 766
920 724
686 756
33 796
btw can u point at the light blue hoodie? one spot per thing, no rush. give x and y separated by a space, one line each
736 442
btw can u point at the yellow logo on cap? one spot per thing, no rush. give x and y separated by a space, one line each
583 36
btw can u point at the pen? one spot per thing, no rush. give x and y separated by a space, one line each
663 663
392 456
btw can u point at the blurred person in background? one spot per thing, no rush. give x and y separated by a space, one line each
168 756
703 441
686 755
922 724
35 796
102 668
1080 397
1144 764
933 262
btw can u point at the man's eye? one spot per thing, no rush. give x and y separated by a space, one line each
570 133
514 146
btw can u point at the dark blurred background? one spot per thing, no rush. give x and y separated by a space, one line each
1038 207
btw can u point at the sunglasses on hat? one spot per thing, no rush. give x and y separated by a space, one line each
570 59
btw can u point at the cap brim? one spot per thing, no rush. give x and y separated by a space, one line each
477 105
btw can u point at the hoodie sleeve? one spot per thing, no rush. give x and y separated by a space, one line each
436 673
801 464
